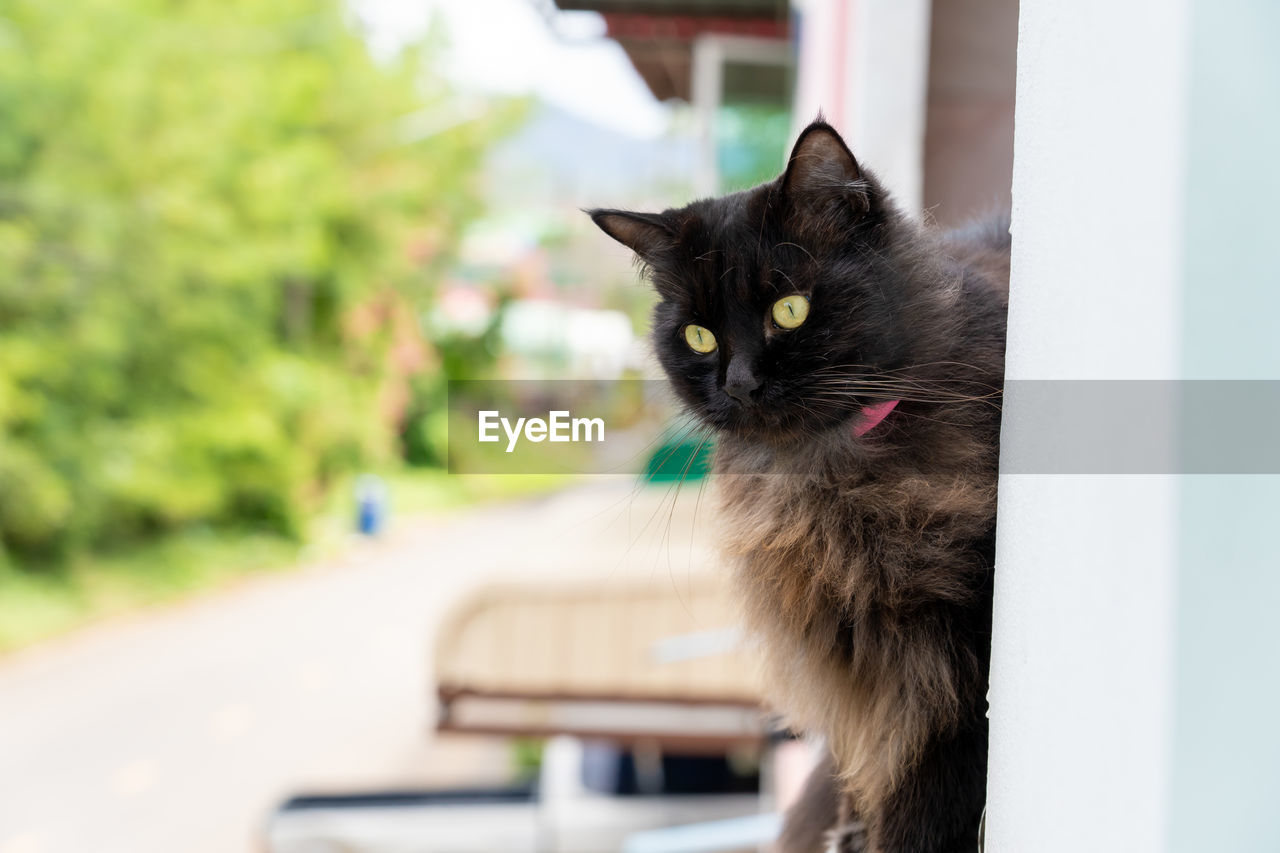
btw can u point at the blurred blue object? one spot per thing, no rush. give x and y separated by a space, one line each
371 504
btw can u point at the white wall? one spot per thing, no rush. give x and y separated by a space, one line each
1135 685
1081 713
1226 734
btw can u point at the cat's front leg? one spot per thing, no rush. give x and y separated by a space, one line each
937 808
822 819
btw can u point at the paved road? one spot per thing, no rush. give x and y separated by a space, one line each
178 730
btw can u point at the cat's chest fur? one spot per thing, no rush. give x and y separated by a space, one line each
857 572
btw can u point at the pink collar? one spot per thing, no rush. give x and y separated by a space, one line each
872 416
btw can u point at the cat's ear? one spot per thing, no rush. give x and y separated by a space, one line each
823 170
647 234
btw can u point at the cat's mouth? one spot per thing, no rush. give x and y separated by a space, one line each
785 422
789 422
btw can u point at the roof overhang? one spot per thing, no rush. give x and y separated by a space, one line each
658 35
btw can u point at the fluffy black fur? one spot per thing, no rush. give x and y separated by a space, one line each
864 561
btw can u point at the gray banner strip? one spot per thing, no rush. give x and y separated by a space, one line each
1057 427
1141 427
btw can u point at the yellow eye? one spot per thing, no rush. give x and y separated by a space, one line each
789 311
699 339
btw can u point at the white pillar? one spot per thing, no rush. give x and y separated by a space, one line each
1226 738
1083 641
1134 685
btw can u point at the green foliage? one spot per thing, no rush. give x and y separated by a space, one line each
526 756
195 200
424 438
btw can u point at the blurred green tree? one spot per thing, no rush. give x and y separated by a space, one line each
214 217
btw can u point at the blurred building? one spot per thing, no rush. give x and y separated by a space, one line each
733 60
924 91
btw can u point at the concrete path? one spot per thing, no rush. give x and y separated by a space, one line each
177 731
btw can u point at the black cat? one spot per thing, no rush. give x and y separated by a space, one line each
850 361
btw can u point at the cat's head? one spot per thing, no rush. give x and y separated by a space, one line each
773 301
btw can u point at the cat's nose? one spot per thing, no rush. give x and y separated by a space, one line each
740 380
741 393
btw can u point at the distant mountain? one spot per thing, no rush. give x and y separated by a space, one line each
560 159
